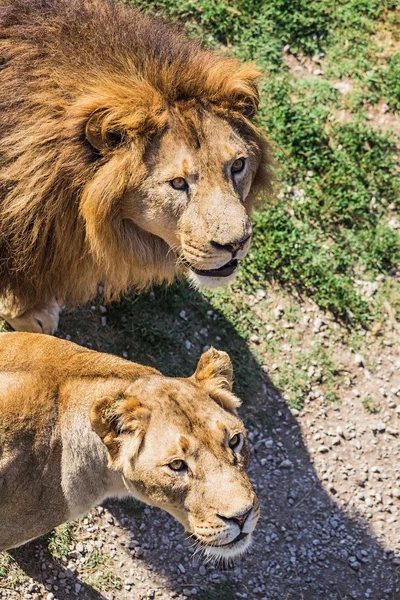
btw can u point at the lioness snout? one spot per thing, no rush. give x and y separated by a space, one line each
241 519
238 519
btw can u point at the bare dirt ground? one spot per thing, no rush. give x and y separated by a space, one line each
328 479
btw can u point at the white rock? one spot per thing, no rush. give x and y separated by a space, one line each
359 360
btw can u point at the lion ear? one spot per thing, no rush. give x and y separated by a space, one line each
247 101
237 88
100 134
120 423
214 374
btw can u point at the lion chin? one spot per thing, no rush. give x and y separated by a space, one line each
202 279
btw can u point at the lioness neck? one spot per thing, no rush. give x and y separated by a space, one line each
86 479
51 461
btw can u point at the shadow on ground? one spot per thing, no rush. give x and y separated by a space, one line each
306 547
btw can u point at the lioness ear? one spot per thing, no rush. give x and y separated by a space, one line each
121 423
100 134
214 374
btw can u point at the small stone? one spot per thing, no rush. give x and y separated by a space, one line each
188 344
286 464
362 479
396 492
358 360
323 449
202 570
181 568
381 427
255 339
278 311
79 547
317 324
392 431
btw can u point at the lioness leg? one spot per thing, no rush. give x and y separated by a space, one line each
42 319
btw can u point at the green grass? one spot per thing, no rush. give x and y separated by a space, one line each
60 541
99 574
371 405
11 575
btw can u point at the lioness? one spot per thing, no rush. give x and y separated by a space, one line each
77 426
128 157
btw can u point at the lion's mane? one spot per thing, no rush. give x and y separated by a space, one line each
60 62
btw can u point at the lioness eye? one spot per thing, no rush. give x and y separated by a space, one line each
236 442
177 465
238 165
179 184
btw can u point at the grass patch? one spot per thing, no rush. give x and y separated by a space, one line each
11 575
371 405
61 541
99 573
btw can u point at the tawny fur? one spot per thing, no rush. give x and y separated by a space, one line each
62 229
77 426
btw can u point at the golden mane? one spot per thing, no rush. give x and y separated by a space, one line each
63 61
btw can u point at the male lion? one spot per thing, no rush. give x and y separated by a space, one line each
128 156
77 426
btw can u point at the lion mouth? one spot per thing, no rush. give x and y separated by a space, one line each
223 271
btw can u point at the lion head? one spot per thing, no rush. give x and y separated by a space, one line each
129 153
195 467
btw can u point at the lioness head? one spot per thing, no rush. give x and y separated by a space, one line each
180 446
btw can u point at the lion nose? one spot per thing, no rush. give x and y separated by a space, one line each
234 246
238 519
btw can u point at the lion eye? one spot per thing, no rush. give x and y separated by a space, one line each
179 183
238 165
236 442
177 465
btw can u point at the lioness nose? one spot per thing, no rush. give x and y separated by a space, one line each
234 246
238 519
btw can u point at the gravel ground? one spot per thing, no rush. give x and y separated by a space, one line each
328 480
